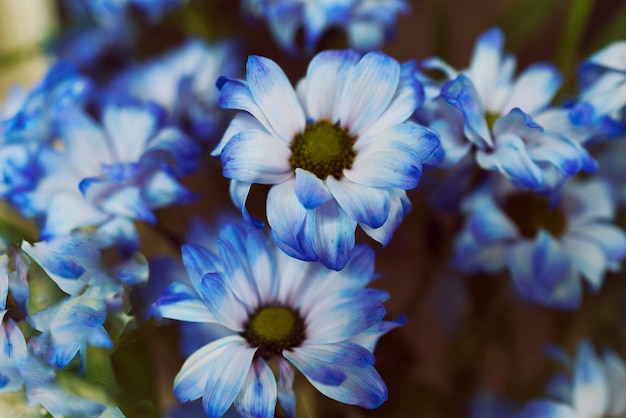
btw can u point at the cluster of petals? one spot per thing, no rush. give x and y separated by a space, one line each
182 82
367 23
506 121
602 100
593 390
370 97
342 320
545 268
104 176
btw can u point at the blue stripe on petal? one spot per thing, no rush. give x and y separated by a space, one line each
286 396
235 94
221 301
315 369
259 393
239 191
399 207
310 189
486 62
363 387
334 235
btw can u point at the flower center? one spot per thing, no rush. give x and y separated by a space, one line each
491 118
531 212
324 149
273 329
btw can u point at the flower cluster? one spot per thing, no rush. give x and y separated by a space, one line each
117 151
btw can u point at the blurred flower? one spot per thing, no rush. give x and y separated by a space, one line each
103 177
275 308
110 13
29 121
545 244
368 23
483 109
183 83
339 152
595 389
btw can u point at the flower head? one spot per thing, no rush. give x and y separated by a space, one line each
338 153
103 177
485 110
545 244
367 22
276 308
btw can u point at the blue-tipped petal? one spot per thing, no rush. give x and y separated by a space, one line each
313 368
363 204
253 156
334 235
512 160
239 191
179 301
399 207
363 387
259 393
222 303
462 94
216 372
486 61
128 202
590 394
310 189
275 96
286 396
326 78
369 89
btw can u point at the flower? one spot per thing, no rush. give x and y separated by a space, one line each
483 109
103 177
367 22
183 83
276 308
545 244
595 389
338 153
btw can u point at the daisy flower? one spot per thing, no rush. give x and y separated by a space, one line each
276 309
546 244
338 152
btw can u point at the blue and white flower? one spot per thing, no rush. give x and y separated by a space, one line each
183 83
483 109
338 153
594 389
104 177
275 308
546 245
367 23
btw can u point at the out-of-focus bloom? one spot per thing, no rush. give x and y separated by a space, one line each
30 120
276 308
611 156
483 109
103 177
367 23
487 405
594 390
545 244
602 99
183 83
338 153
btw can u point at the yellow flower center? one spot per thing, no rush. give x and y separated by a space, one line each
324 149
273 329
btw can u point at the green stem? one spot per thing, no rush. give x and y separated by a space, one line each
573 29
